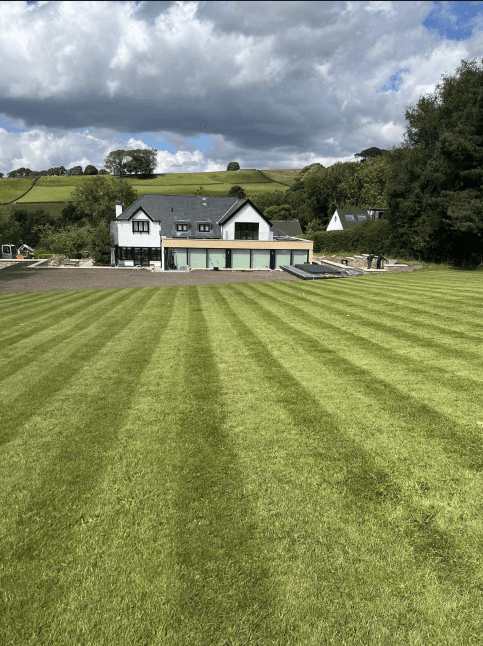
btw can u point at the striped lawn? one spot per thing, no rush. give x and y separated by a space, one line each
290 463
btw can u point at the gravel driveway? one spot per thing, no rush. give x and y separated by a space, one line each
16 278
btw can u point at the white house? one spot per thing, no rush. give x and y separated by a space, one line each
174 231
347 219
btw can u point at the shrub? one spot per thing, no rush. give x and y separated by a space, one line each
233 166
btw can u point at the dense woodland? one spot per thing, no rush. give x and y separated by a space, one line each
432 184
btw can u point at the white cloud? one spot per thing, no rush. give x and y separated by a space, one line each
278 83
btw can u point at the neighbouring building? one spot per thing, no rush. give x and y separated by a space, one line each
347 219
198 232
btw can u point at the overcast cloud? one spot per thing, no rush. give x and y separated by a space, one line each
268 84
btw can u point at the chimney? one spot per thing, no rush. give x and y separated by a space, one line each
119 208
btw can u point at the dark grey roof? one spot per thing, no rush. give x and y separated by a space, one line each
347 225
188 209
288 227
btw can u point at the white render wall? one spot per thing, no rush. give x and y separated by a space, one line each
334 224
126 238
246 214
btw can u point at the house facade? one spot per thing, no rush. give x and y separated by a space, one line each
198 232
347 219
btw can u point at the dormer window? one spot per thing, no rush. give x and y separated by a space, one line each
140 226
181 226
203 227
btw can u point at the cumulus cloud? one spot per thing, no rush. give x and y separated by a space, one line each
278 84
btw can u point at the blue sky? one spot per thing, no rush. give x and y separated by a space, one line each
267 84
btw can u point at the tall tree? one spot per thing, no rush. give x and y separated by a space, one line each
435 189
139 161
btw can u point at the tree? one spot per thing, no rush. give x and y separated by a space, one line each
200 191
96 199
1 175
102 171
237 191
139 161
435 187
10 231
369 153
282 212
75 170
90 170
233 166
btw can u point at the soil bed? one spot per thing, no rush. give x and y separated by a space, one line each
16 279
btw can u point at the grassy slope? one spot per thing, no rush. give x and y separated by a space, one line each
12 188
60 189
252 466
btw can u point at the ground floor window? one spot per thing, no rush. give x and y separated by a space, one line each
140 255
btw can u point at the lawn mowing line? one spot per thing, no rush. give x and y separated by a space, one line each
126 537
222 579
383 344
21 302
36 389
456 439
34 314
57 334
416 289
421 338
401 305
430 305
430 308
43 543
365 481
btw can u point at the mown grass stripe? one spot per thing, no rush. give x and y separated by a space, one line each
10 318
375 336
51 337
459 441
222 578
34 388
379 302
365 486
24 301
42 541
23 327
453 342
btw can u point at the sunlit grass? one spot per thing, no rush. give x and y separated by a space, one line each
253 463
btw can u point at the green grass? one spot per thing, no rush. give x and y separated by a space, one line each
244 464
12 188
60 189
48 194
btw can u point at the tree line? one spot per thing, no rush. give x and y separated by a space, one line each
431 183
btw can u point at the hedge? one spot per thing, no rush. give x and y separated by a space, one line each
369 237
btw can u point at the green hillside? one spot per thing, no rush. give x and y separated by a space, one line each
60 189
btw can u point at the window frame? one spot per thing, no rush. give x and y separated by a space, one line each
145 226
204 227
244 234
182 227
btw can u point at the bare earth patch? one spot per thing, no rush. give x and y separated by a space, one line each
17 279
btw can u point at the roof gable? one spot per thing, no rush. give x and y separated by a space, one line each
236 207
141 208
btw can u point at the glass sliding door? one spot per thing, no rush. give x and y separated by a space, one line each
240 258
216 258
260 259
197 258
282 257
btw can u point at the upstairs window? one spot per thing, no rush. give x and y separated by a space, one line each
349 217
203 227
246 230
361 217
182 227
140 226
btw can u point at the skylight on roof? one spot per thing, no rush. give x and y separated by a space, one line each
361 217
349 217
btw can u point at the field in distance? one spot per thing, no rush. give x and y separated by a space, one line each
277 463
60 189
